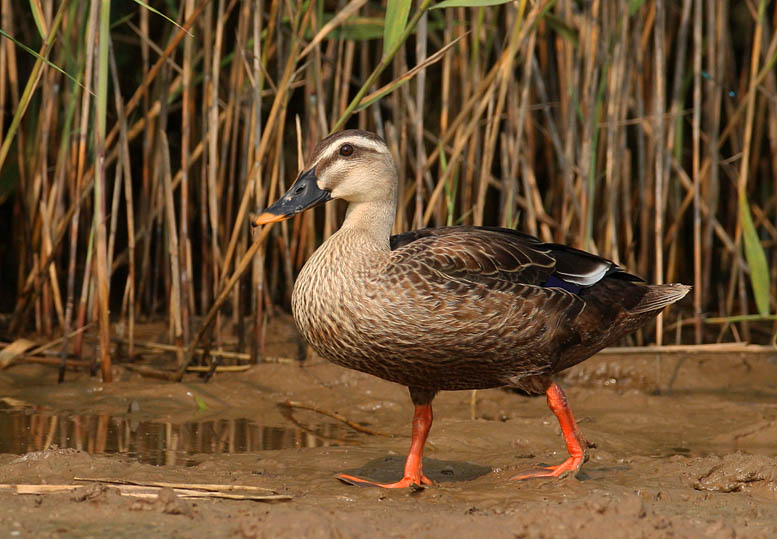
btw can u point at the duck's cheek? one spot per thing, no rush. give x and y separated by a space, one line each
343 188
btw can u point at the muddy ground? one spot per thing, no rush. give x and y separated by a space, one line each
686 446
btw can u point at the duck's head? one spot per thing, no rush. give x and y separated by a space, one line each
353 165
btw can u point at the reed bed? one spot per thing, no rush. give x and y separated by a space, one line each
138 136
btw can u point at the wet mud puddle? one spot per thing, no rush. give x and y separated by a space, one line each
685 448
156 442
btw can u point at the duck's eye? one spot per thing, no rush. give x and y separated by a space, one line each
346 150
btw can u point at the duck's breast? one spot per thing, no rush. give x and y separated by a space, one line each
412 327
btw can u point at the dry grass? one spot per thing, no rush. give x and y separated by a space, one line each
645 131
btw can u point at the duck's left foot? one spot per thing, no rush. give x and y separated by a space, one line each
575 441
570 466
406 482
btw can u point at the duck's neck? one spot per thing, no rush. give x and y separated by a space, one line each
370 223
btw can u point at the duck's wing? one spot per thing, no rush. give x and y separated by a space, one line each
514 304
501 257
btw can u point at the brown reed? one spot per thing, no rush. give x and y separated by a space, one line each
643 131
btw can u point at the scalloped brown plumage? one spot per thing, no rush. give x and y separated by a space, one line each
454 307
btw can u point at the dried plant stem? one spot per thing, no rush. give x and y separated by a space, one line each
334 415
226 289
101 247
173 249
382 65
607 125
698 298
660 153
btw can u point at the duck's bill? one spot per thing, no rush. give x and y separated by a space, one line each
303 195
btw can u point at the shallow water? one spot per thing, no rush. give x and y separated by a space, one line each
685 447
155 442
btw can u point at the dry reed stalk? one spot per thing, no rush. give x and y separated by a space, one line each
743 176
187 111
383 64
222 353
291 405
23 102
534 207
465 137
257 274
212 93
86 288
492 126
615 239
151 74
659 33
73 364
278 102
698 293
149 491
101 259
560 136
176 300
206 23
236 171
569 75
287 248
41 195
161 275
128 302
74 221
478 97
713 349
710 182
50 249
46 215
588 55
6 17
420 153
225 291
147 157
196 486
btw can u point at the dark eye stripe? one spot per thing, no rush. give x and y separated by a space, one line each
359 148
326 161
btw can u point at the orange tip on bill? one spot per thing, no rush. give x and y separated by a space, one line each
266 218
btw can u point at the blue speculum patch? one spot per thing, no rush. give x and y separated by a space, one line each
556 282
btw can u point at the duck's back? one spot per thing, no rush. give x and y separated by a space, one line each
468 307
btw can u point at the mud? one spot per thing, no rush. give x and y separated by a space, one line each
686 446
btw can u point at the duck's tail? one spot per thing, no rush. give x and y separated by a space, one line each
659 296
618 308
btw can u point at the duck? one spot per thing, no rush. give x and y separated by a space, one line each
450 308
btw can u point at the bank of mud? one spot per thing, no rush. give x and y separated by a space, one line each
686 445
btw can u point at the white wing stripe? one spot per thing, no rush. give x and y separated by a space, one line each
588 278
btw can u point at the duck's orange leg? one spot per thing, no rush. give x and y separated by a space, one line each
576 443
414 475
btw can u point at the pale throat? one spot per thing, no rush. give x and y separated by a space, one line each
372 219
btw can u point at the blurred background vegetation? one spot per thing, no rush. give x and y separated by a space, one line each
137 137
